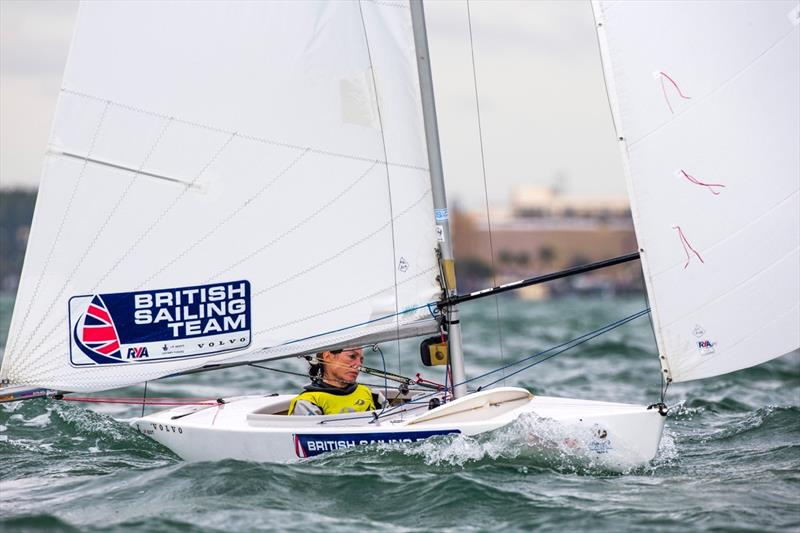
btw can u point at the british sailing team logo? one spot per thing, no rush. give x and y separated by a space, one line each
159 325
96 335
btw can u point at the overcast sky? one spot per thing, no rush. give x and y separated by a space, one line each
543 104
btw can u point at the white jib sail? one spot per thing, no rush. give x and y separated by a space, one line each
226 181
705 101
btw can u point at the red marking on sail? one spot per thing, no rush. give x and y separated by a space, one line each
664 75
99 313
98 334
108 348
687 247
710 186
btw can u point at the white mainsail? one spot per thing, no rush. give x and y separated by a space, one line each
705 101
226 182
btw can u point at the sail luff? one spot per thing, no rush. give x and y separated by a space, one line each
614 105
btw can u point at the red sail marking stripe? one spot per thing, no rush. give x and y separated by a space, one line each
99 312
687 247
664 90
109 348
710 186
98 334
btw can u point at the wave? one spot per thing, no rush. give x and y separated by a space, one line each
528 444
37 431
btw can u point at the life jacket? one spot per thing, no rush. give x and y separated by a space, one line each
333 401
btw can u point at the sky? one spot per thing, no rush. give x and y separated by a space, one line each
544 113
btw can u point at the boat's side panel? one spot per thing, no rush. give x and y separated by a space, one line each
629 433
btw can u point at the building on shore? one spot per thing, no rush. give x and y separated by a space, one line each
544 231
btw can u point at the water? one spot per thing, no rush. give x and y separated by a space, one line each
729 460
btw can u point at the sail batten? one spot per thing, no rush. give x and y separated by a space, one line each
209 201
704 96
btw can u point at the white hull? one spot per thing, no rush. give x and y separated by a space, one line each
244 428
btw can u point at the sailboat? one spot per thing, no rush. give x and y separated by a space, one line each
233 183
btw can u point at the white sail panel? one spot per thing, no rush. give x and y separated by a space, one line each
705 101
226 181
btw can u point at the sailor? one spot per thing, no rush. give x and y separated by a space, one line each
333 389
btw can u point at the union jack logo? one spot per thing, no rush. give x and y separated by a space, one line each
97 337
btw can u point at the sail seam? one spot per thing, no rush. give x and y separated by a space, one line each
247 136
102 227
294 228
744 282
49 334
732 235
12 351
348 304
136 243
343 250
225 219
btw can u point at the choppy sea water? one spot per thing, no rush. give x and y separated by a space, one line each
729 459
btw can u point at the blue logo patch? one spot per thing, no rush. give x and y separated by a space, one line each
311 445
160 325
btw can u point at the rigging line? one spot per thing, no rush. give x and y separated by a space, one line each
302 375
137 401
377 348
646 299
388 181
485 185
596 333
278 370
579 340
56 240
563 347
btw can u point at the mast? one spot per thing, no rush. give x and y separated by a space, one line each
439 196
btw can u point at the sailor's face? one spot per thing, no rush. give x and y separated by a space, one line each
345 366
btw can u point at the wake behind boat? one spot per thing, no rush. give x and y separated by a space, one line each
284 196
